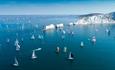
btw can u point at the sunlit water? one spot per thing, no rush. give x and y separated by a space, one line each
100 56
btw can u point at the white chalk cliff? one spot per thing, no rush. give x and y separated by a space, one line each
96 18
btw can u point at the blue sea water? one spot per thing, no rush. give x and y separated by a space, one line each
100 56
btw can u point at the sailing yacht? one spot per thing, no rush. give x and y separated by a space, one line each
57 49
15 62
40 37
82 44
17 47
65 49
93 39
108 31
34 55
63 31
33 37
71 57
72 33
16 42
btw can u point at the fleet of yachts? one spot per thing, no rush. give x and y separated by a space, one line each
46 28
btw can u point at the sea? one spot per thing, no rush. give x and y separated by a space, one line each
98 56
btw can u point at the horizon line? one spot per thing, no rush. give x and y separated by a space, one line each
55 14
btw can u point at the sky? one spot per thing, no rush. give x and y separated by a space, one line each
55 7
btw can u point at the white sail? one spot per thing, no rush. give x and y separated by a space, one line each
57 49
16 62
82 44
16 42
40 36
17 47
32 37
70 56
93 39
34 55
65 49
107 30
63 31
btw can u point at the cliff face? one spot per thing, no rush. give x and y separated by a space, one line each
96 18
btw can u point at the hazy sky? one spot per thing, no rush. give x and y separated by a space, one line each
54 7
